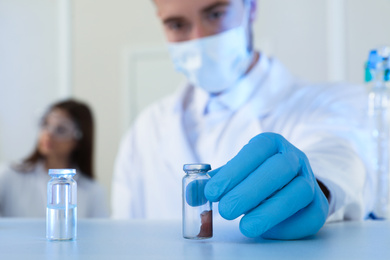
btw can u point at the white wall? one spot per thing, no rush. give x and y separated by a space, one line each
28 71
296 33
368 26
117 43
103 33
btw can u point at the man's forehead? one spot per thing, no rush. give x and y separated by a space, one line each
167 8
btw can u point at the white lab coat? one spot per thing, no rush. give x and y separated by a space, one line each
324 121
24 194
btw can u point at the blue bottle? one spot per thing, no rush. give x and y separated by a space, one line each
378 79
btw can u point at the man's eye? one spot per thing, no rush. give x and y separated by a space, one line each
215 15
176 26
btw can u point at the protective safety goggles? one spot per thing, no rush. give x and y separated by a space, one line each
60 127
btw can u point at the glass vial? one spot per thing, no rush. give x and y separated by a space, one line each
61 211
197 210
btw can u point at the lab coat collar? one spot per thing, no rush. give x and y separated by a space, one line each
275 89
267 83
201 102
237 96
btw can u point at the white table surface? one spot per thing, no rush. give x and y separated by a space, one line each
140 239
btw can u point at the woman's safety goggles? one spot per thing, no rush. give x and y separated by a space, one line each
60 127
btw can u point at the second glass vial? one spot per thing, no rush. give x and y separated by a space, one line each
197 210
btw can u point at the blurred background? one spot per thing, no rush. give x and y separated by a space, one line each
112 55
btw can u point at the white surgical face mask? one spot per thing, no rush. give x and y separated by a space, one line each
214 63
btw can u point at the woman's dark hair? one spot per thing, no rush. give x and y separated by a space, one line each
82 156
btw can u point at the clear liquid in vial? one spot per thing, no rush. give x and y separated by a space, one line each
61 222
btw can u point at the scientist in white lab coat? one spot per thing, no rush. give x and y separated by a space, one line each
286 151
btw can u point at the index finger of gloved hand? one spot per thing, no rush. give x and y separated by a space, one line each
282 205
271 176
251 156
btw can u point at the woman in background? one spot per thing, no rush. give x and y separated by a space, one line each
65 141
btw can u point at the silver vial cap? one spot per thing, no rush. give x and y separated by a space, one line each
58 172
199 167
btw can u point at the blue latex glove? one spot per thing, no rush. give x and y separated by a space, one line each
269 181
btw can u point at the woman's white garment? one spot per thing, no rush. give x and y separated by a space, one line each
324 121
24 194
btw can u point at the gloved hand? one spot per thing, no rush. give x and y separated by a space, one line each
269 181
